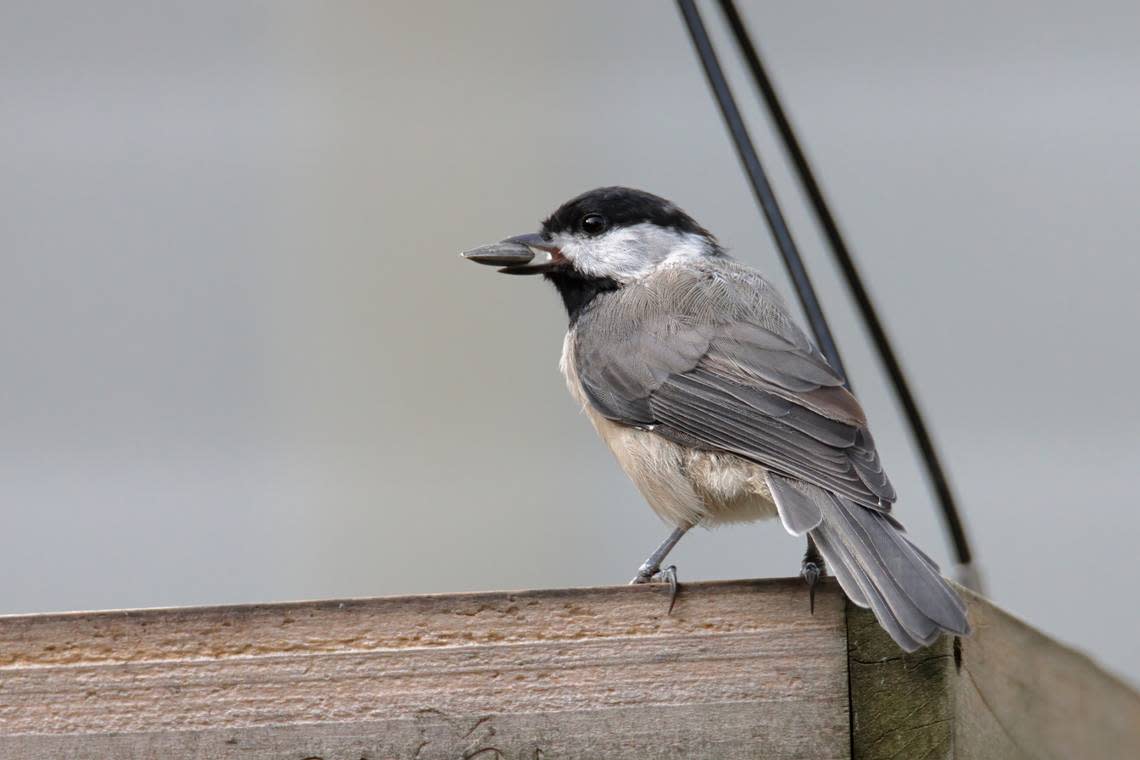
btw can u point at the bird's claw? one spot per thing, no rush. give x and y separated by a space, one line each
669 575
811 572
656 575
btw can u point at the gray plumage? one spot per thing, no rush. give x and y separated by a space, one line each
707 355
717 405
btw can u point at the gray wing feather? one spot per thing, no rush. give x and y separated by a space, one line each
755 436
709 354
620 372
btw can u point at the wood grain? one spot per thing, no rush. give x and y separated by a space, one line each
740 670
1007 691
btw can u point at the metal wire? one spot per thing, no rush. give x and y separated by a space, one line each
843 258
785 243
760 185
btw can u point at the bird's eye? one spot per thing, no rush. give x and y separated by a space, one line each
594 224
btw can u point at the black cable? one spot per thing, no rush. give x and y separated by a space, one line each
862 298
760 186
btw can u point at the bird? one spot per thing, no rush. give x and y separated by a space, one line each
717 405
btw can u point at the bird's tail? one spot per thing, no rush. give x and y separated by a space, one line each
878 567
875 563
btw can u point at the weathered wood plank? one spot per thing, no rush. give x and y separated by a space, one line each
740 670
1005 692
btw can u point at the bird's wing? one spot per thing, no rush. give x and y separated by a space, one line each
708 355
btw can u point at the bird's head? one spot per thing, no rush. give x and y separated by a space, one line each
602 240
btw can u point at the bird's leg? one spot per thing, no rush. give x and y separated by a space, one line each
651 567
811 569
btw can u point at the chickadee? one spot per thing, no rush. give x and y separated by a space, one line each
717 405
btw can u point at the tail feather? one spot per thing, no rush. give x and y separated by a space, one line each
883 575
878 567
861 590
925 588
851 578
932 593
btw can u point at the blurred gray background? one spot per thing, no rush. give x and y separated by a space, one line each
242 362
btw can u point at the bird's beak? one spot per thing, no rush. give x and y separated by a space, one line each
515 255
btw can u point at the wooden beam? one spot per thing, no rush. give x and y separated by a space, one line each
1007 691
739 670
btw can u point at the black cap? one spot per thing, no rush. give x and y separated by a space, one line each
621 207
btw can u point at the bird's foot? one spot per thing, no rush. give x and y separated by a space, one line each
811 570
646 574
811 573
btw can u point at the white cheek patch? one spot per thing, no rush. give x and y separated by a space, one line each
628 253
688 247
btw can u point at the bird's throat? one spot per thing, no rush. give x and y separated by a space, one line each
578 290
